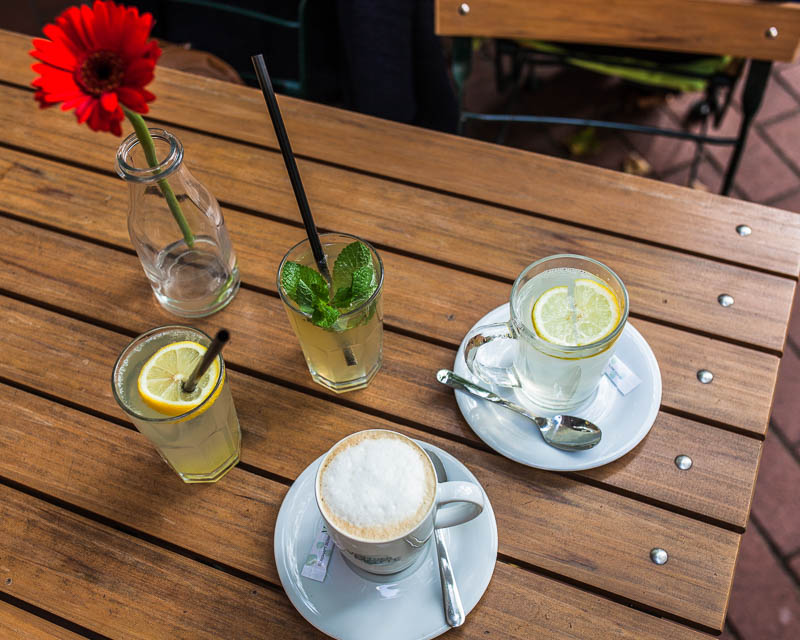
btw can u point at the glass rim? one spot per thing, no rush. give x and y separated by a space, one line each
318 478
164 168
348 314
606 340
181 416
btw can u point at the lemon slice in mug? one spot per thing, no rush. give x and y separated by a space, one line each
593 314
161 377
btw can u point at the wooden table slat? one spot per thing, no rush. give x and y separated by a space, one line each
18 623
642 208
663 284
117 585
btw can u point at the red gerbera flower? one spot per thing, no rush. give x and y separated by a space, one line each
95 60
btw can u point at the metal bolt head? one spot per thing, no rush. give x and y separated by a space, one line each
725 299
771 33
705 376
743 230
659 556
463 9
683 462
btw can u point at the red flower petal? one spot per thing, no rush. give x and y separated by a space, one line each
71 23
95 120
116 129
88 26
139 73
103 37
55 56
132 99
39 97
58 35
109 101
75 102
83 112
53 79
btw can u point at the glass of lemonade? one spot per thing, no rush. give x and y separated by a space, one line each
341 335
196 434
567 312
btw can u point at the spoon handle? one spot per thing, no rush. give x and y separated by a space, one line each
445 376
453 609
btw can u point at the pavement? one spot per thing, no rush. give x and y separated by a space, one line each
765 602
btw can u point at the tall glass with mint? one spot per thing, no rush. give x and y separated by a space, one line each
339 323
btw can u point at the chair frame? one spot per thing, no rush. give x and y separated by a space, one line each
754 89
297 88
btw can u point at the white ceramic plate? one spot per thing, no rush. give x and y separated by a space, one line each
353 605
624 420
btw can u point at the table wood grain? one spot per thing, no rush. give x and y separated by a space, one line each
100 537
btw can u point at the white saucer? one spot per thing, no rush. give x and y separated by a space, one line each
353 605
624 420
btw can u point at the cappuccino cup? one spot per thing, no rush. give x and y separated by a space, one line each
378 495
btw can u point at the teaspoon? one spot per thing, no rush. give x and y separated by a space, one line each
567 433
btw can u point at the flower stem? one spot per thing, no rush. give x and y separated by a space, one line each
149 148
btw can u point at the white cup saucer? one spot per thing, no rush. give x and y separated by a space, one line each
624 419
354 605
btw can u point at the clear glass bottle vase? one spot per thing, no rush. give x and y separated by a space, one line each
177 229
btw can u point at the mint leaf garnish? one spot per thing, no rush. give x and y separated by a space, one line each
305 297
352 257
294 272
354 276
324 315
363 284
311 293
342 298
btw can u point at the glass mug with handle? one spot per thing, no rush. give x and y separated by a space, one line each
567 312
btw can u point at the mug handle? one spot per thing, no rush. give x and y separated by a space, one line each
503 376
470 503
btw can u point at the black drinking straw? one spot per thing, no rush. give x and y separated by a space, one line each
294 176
291 166
223 335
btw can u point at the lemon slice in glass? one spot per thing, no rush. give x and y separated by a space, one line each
593 314
161 377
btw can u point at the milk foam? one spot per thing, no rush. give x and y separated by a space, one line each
376 486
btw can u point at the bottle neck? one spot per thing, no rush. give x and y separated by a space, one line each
131 163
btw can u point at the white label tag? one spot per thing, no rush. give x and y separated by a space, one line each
621 376
319 555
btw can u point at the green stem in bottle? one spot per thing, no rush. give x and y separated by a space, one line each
149 148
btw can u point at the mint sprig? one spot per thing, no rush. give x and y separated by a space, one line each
353 277
311 293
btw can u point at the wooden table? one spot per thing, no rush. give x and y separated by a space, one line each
98 536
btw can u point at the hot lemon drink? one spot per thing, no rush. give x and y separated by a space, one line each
567 312
566 308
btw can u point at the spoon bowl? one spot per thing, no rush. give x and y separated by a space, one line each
567 433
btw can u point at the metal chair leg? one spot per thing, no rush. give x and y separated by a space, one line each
461 68
754 88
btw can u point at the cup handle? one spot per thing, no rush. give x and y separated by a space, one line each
503 376
469 499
